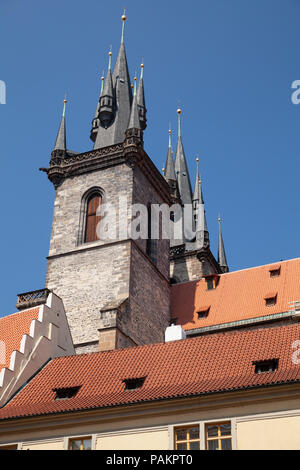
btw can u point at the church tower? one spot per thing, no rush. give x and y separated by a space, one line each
190 256
115 290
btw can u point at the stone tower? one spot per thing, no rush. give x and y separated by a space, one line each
116 291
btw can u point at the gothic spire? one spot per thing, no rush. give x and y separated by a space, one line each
60 143
115 131
221 251
169 168
202 235
181 169
134 121
141 100
96 121
106 108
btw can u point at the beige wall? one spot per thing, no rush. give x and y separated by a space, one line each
150 440
256 423
50 445
269 434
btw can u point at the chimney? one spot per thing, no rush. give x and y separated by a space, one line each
174 333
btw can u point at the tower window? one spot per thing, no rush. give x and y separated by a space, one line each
134 384
151 246
262 367
92 219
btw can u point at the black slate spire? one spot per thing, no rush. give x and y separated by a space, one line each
202 235
134 121
222 261
181 169
60 143
141 101
115 132
170 169
107 101
96 120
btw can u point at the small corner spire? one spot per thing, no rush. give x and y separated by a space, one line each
141 99
102 81
170 174
134 88
222 261
60 143
123 18
181 168
202 234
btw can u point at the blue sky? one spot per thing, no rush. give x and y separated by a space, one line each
231 63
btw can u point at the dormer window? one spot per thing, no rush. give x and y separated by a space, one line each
212 281
269 365
275 272
134 384
65 393
203 312
271 300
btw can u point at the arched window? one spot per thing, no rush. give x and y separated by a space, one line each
92 219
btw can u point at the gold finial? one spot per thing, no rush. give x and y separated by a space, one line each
65 102
132 86
135 80
110 55
124 17
179 110
197 159
164 171
219 218
142 67
170 132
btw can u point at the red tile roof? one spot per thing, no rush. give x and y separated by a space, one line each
195 366
12 329
240 295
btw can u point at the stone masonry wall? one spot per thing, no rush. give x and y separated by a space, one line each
90 276
87 276
149 300
189 268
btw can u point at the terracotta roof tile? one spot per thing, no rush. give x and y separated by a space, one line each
240 295
12 329
195 366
